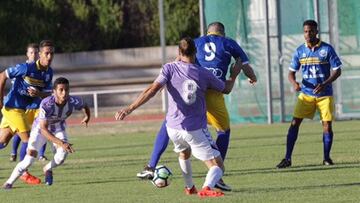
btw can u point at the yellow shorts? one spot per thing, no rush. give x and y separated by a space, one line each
18 120
217 114
306 107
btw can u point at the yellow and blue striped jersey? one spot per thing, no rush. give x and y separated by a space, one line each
316 65
24 76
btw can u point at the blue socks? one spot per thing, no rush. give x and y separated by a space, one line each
161 142
291 139
15 144
42 150
222 142
23 151
327 140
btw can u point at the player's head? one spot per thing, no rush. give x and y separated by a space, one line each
32 52
46 52
310 31
216 28
61 90
187 47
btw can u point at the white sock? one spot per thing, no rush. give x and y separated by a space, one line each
20 168
186 170
213 176
59 159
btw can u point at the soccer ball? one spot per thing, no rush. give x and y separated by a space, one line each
162 176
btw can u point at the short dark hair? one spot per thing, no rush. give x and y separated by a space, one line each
32 45
187 46
46 43
311 23
218 26
60 80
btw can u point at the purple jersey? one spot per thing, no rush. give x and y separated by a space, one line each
56 115
186 84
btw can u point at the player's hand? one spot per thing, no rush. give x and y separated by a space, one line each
319 88
252 81
120 115
297 87
68 147
85 121
33 91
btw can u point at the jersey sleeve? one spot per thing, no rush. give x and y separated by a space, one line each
16 71
164 75
295 62
44 110
334 60
236 51
213 82
77 102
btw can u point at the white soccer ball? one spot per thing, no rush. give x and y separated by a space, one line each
162 176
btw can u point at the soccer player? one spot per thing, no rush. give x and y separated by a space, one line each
31 83
50 125
186 124
316 59
214 52
32 54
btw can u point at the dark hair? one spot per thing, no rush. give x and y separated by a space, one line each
187 46
218 26
311 23
46 43
32 45
60 80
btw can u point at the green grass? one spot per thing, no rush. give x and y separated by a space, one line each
108 156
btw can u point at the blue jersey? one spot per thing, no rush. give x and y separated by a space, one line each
24 76
214 53
316 67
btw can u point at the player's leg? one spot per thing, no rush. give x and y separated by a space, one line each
42 156
305 108
5 136
184 150
218 117
325 105
35 142
203 150
15 146
58 159
161 142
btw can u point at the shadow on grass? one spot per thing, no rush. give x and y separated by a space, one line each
307 187
303 168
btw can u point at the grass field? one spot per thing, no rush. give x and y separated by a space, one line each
109 155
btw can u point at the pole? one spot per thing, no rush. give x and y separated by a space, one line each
268 66
163 50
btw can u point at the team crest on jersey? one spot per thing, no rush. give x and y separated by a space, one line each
47 77
323 53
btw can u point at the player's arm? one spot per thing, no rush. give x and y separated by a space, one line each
292 80
333 76
49 136
145 96
248 70
34 92
229 84
3 79
86 112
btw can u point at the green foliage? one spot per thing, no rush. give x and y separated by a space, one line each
83 25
